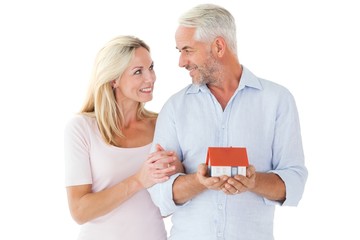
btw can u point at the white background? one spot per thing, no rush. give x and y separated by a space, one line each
47 49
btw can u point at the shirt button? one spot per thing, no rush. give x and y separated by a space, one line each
219 234
220 206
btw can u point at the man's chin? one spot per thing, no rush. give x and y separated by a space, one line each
196 82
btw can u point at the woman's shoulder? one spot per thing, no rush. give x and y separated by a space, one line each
80 119
80 122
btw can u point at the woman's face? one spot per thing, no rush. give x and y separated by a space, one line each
137 82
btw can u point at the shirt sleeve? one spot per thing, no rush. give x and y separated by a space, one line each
288 156
165 135
76 152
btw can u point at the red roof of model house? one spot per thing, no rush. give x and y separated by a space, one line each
227 160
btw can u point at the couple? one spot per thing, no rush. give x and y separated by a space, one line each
123 174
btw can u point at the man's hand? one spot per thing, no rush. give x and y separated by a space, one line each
240 183
213 183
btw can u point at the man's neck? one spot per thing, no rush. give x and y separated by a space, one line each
225 88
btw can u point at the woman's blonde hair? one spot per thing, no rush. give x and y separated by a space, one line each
110 63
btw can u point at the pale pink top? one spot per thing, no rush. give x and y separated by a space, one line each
88 160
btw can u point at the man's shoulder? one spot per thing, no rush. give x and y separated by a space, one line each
176 101
180 94
258 82
271 85
268 88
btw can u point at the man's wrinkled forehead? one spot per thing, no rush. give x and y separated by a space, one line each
184 37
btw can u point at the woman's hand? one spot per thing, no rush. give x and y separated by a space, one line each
166 159
159 166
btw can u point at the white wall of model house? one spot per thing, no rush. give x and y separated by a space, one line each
217 171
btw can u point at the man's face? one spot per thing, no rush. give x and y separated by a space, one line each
196 56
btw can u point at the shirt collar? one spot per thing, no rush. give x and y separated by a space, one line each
195 88
248 79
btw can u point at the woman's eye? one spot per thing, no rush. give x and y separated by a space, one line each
137 72
151 67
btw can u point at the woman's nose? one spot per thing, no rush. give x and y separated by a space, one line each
150 77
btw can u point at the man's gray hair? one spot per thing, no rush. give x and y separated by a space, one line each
211 21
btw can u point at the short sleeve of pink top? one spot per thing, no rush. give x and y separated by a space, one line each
88 160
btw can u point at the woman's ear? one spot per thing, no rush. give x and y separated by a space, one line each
113 84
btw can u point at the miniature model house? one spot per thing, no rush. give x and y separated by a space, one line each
228 161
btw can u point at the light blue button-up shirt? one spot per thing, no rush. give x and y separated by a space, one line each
261 116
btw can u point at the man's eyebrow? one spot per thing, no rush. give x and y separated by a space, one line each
184 48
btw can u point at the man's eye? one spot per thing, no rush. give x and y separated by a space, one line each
187 51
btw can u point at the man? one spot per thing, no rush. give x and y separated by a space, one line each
226 105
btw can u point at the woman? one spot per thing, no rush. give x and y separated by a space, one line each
108 169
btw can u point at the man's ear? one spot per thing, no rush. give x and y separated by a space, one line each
219 46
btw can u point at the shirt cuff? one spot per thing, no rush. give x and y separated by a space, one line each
162 196
294 185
